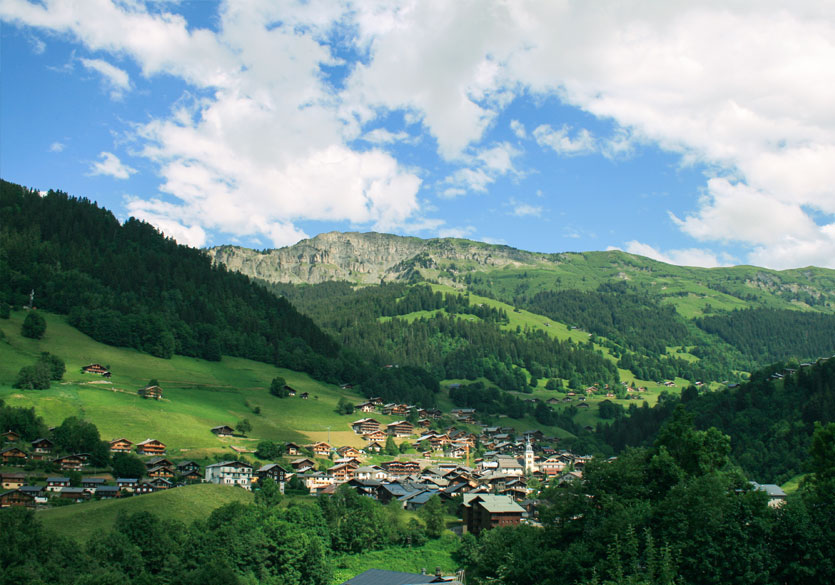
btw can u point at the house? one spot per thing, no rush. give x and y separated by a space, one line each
127 484
374 447
365 426
151 447
70 463
401 428
485 511
374 472
776 495
76 494
342 472
158 462
96 369
348 451
42 446
56 484
160 483
154 392
162 471
274 471
292 449
11 436
321 449
121 446
318 481
107 492
16 499
13 456
36 491
302 465
223 431
379 436
12 481
365 407
92 483
144 487
230 473
193 476
185 467
290 390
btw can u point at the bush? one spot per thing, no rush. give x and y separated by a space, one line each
55 365
278 387
127 465
5 310
35 377
34 325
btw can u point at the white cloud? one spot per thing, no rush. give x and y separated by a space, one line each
456 232
561 141
518 129
115 79
525 209
687 257
111 166
56 147
383 136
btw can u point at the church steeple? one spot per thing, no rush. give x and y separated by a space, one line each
529 461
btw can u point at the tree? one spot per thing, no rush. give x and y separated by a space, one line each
77 436
35 377
278 387
391 446
243 426
127 465
268 493
5 310
269 450
345 406
55 364
432 514
34 325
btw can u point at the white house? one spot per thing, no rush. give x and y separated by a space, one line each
230 473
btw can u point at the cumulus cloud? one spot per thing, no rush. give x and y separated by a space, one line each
115 79
525 209
56 147
562 142
111 166
456 232
685 257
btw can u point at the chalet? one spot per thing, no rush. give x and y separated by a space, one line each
375 436
350 460
401 428
223 431
70 463
371 472
230 473
552 466
160 483
321 449
56 484
290 390
365 407
145 487
186 467
457 450
424 423
121 446
11 436
348 451
553 401
365 426
157 462
12 481
433 413
193 476
16 499
153 392
107 492
776 495
292 449
484 511
162 471
96 369
36 491
150 447
92 483
318 481
42 446
13 456
127 484
374 447
343 472
397 409
76 494
302 465
274 471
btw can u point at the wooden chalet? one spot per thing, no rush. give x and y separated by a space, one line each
366 407
153 392
292 449
96 369
186 467
36 491
16 499
162 471
348 451
343 472
401 428
70 463
365 426
13 456
272 470
379 436
485 511
92 482
107 492
144 487
161 483
193 476
321 449
76 494
127 484
11 436
397 409
157 462
12 481
290 390
150 447
56 484
223 431
372 472
302 465
42 446
374 447
121 446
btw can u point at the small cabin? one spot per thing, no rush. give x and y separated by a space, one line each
13 456
154 392
11 436
223 431
96 369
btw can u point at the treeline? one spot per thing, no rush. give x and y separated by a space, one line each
768 335
675 513
270 542
770 420
465 341
128 285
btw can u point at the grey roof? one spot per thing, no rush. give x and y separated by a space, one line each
494 504
381 577
56 479
773 490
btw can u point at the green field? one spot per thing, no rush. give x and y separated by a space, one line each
198 394
186 504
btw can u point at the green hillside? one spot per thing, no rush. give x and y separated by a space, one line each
198 394
185 504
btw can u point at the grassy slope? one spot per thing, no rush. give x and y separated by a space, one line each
185 504
198 394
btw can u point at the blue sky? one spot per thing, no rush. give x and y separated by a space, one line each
697 135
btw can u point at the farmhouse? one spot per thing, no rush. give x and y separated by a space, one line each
401 428
121 446
56 484
70 463
11 436
186 467
230 473
96 369
223 431
13 456
302 465
366 407
154 392
12 481
151 447
374 447
484 511
42 446
375 436
292 449
16 499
